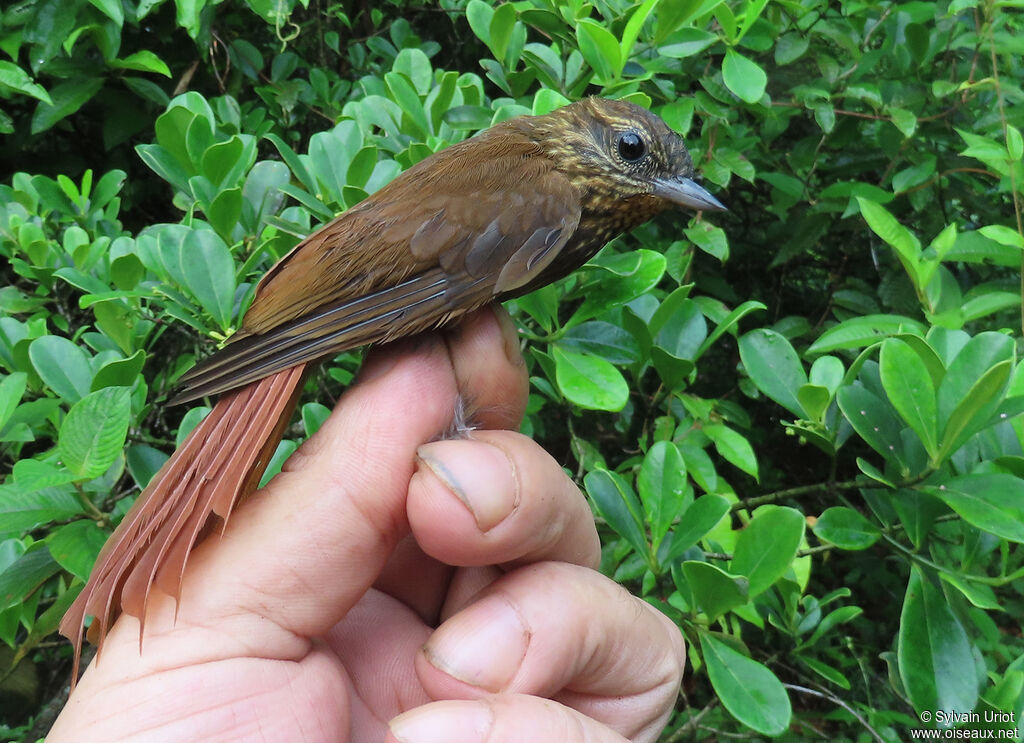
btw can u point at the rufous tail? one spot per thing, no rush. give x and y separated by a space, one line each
219 464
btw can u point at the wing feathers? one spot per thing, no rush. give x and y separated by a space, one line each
420 302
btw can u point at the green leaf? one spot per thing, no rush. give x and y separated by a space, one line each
502 23
22 511
1003 235
33 474
603 339
765 550
143 462
225 212
93 433
112 9
62 365
633 27
699 518
1014 142
709 238
873 421
898 237
992 502
143 61
904 120
748 690
936 662
863 331
618 505
733 446
67 98
403 93
979 594
772 364
908 384
589 381
826 671
415 65
661 483
119 372
17 79
479 15
977 408
616 280
842 615
846 529
209 274
11 389
25 575
600 48
743 77
314 415
679 328
714 589
815 400
75 546
218 162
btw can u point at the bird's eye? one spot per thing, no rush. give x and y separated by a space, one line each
631 146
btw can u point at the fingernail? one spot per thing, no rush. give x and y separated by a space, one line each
509 335
444 722
483 646
479 474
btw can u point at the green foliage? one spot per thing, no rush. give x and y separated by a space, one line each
790 422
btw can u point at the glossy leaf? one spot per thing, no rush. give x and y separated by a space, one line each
748 690
935 658
661 483
93 433
743 77
733 446
872 419
62 365
846 528
617 504
910 389
589 381
209 274
774 367
859 332
25 575
699 518
992 502
766 548
715 591
75 546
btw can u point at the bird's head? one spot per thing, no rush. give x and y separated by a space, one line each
617 150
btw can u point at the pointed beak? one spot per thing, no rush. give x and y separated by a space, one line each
685 192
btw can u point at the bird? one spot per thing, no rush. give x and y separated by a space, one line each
490 218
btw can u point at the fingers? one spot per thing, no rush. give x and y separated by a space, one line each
495 395
493 498
306 547
498 497
499 719
565 632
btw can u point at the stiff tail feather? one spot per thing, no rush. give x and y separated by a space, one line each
220 463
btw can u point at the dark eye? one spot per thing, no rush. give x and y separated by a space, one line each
631 146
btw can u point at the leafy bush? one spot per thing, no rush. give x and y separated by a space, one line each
791 420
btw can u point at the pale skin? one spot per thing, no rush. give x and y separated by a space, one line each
330 611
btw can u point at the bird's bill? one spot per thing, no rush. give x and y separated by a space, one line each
685 192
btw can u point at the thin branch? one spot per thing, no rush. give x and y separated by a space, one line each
836 700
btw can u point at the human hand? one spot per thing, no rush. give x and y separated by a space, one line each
313 617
